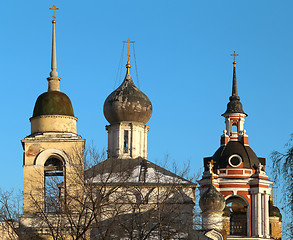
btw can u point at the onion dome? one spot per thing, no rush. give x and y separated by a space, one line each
53 103
274 211
234 106
233 154
127 103
212 200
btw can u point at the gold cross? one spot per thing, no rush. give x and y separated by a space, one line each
234 55
128 41
53 8
211 169
212 164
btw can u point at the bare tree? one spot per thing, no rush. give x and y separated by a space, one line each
112 199
10 210
283 175
146 200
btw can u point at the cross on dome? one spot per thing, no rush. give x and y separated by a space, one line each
128 63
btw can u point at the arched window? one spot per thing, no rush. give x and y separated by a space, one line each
234 128
126 141
238 217
54 184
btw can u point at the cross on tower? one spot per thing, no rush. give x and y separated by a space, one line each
53 8
260 166
234 55
128 41
211 166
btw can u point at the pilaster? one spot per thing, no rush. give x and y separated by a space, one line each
253 214
266 216
259 215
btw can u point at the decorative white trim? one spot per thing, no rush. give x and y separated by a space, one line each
236 195
221 174
43 156
237 156
250 181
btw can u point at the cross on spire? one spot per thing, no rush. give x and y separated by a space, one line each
128 41
53 79
53 8
234 55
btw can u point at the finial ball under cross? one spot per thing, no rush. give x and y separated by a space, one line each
53 8
234 55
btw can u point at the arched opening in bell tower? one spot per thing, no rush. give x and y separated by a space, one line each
234 128
238 208
54 190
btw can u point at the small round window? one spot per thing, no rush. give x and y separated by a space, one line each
235 160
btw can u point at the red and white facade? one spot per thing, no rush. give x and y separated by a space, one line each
239 175
253 186
234 120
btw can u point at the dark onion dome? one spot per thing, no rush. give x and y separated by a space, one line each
234 106
246 154
212 200
127 103
53 103
274 211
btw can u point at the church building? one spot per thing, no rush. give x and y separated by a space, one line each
126 196
235 189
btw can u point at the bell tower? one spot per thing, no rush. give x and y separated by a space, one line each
239 175
234 115
53 152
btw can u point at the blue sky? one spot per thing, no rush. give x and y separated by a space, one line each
184 66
